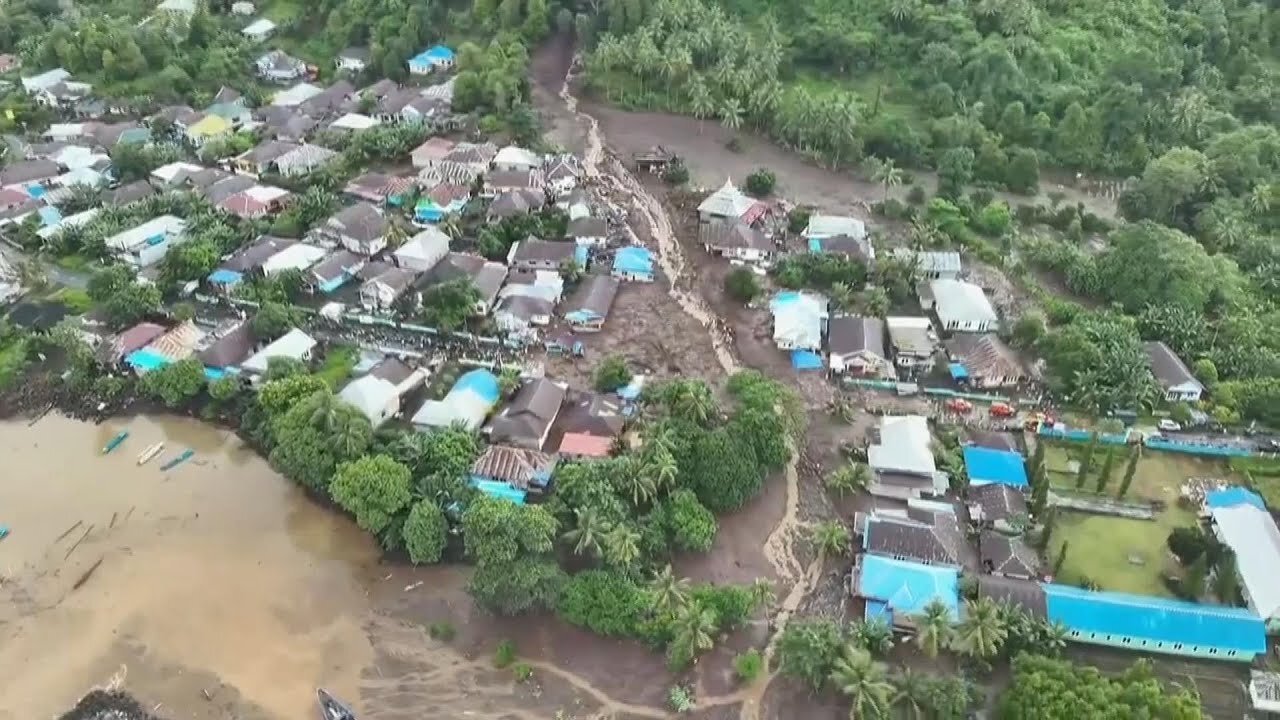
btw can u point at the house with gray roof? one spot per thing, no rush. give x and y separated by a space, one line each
736 240
588 308
931 264
520 468
987 360
360 228
999 506
857 346
516 203
536 254
1008 556
929 533
1172 374
527 420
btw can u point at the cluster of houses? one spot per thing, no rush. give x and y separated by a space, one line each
920 540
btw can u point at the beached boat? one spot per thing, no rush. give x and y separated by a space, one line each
332 709
115 442
4 531
146 455
185 456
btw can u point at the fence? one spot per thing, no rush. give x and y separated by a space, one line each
1083 436
975 397
1100 505
912 388
1197 448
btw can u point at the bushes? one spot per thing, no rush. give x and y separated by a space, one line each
761 182
748 666
612 374
605 602
741 285
693 527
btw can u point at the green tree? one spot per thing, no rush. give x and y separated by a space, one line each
808 650
911 694
933 628
885 173
175 384
693 527
693 634
272 320
1061 559
831 538
1104 475
425 532
1023 172
669 591
448 305
588 532
611 374
761 182
864 681
982 631
955 170
621 544
374 488
731 114
1130 468
511 546
741 285
850 478
1044 688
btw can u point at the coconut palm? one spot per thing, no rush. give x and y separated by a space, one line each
911 694
669 592
587 533
924 234
661 466
852 478
622 546
731 114
694 629
634 480
864 681
692 400
701 103
933 628
875 301
831 538
982 631
841 295
762 594
1053 638
885 173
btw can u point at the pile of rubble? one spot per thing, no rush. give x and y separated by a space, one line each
107 705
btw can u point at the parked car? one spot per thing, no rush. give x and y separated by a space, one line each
1167 425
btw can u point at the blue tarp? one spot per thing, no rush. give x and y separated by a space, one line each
146 360
499 490
438 52
1232 496
225 277
815 245
631 390
49 216
958 371
876 610
1195 448
1171 626
481 382
581 254
633 260
805 360
36 191
907 587
985 466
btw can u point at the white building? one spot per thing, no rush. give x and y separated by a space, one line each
1252 535
295 257
902 462
516 159
148 243
799 319
961 306
423 251
294 344
259 30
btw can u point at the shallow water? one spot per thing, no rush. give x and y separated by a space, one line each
222 591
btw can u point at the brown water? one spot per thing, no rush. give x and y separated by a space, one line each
222 590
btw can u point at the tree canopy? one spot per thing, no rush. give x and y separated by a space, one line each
1047 688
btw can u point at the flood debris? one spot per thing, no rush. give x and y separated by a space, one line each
82 537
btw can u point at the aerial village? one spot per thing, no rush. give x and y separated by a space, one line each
487 286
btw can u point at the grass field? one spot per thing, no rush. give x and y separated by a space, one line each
1119 553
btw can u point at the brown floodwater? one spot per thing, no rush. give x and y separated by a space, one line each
220 589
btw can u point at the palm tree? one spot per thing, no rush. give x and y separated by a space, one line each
864 681
669 592
622 546
731 114
1052 638
851 478
912 694
693 400
586 535
762 592
661 466
693 631
933 628
841 295
924 234
885 173
635 480
700 101
876 302
875 636
397 234
982 631
831 538
350 432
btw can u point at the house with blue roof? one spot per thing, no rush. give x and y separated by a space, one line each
987 465
1156 625
633 263
896 591
437 57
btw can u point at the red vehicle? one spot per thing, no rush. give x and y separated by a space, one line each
959 406
1002 410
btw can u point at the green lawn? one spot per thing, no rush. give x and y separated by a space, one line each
1102 548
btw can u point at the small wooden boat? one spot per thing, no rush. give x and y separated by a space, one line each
185 456
332 709
4 531
146 455
115 442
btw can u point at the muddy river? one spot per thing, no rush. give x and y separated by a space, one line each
215 581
